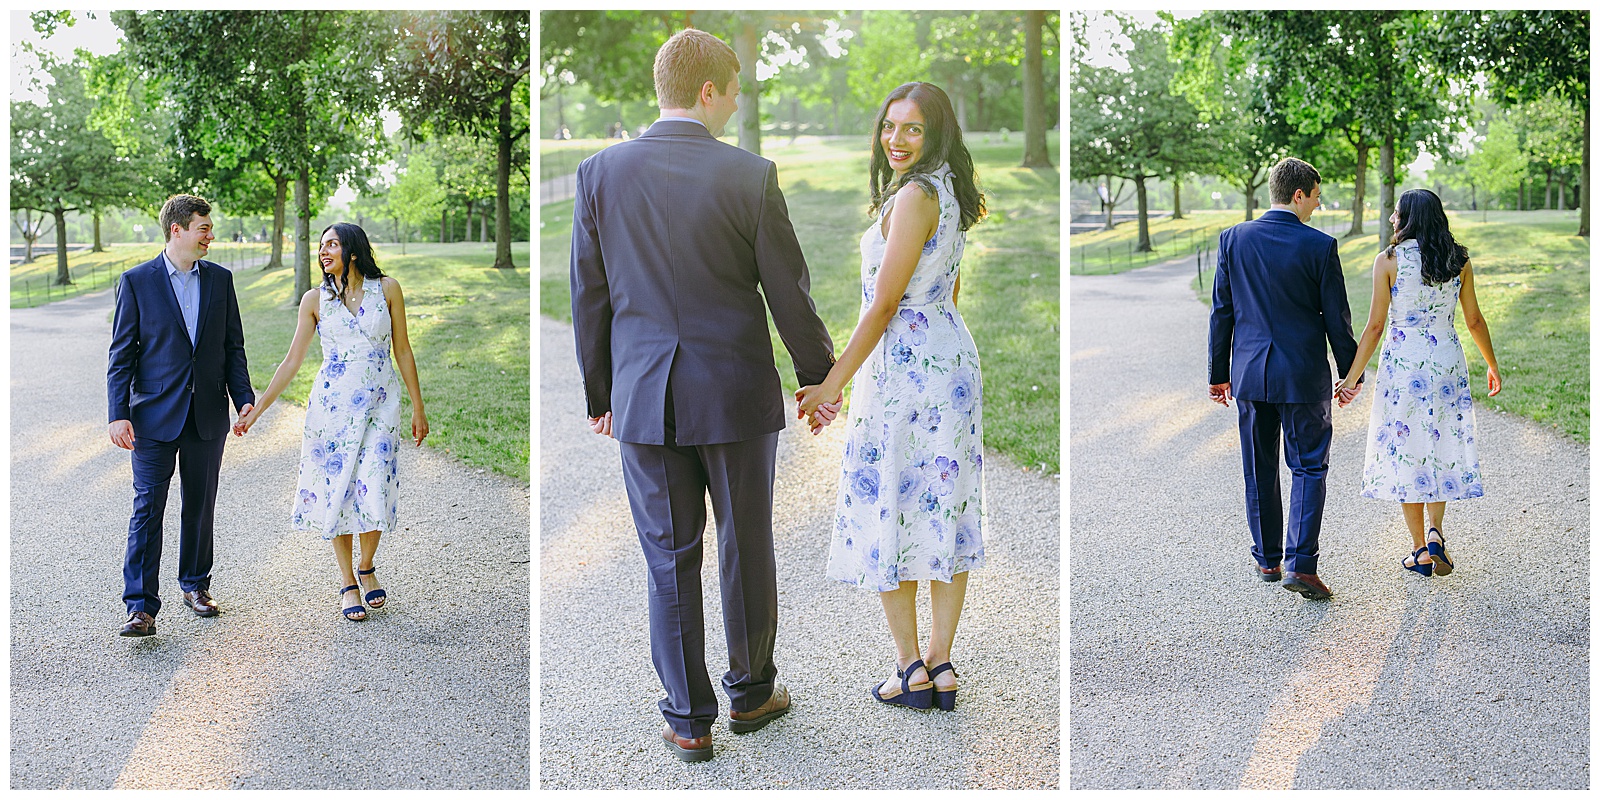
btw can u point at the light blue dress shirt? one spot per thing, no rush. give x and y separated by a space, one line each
186 288
684 119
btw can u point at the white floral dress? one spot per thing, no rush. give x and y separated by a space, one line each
911 493
1421 444
349 477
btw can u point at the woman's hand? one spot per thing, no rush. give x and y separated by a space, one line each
1494 381
250 414
818 404
419 426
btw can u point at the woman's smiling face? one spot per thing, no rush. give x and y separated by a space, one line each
902 134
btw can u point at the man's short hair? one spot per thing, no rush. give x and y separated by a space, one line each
179 210
684 64
1291 174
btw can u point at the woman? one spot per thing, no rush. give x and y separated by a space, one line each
348 468
910 500
1421 448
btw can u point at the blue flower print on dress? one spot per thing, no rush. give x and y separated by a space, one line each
915 416
1419 384
864 484
349 464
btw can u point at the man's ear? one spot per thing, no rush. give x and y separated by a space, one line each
708 92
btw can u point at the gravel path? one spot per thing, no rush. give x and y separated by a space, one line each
1187 672
278 691
598 722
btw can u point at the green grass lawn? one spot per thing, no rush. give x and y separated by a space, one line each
1102 252
1532 281
468 324
1010 285
33 284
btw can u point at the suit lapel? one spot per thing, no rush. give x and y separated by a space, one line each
206 280
158 270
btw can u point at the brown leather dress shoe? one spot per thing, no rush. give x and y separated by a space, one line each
1307 585
201 602
755 719
138 624
1269 574
687 749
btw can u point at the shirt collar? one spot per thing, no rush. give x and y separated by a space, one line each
685 119
172 269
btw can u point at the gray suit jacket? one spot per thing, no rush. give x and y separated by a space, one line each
676 236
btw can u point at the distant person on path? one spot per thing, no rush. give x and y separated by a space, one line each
911 494
1278 302
1422 447
676 237
177 357
349 458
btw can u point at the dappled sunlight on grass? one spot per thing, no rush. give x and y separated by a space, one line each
1010 285
469 328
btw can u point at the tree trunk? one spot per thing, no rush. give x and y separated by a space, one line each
302 233
748 48
1110 206
1249 199
483 227
1385 188
502 190
1522 192
278 200
98 247
1177 199
1035 151
466 232
63 275
1561 194
1144 213
961 110
1583 179
1548 185
444 225
1359 204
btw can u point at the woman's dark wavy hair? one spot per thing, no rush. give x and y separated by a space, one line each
353 247
1422 218
941 143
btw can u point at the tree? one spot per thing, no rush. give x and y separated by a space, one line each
467 72
291 91
1499 164
1131 125
1527 55
1035 153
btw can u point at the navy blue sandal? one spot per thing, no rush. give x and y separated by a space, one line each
945 699
919 696
1425 570
349 613
375 597
1441 558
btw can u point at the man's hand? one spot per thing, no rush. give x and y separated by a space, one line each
122 434
1222 392
602 425
241 426
825 414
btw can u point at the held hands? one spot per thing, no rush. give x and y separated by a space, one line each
813 405
1347 390
247 417
1222 393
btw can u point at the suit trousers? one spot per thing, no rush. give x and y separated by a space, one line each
667 486
1307 430
198 462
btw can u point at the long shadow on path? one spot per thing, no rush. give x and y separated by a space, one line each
1187 672
278 691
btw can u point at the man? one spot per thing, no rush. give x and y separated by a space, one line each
1278 296
177 355
676 236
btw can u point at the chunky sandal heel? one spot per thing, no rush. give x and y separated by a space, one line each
945 699
906 694
1442 565
1425 570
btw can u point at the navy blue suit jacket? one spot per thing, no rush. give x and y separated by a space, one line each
1278 296
676 238
155 373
